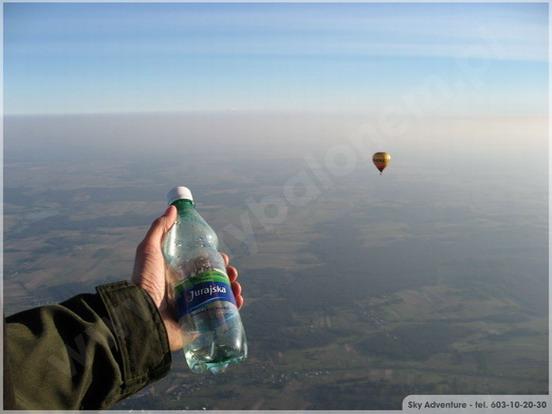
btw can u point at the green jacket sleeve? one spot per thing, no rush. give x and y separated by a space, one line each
87 352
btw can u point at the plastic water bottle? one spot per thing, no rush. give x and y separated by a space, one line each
200 290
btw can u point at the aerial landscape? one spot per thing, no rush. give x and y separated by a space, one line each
360 288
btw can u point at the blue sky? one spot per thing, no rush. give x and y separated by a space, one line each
96 58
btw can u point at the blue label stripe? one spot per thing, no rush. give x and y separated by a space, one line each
203 304
199 295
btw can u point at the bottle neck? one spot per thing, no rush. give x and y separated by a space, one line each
183 206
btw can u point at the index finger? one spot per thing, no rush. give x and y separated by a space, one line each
225 258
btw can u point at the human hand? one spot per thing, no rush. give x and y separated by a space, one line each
149 274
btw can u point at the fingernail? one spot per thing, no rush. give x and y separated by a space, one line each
167 210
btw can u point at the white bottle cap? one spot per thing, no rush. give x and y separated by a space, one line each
179 193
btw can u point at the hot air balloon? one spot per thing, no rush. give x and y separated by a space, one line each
381 160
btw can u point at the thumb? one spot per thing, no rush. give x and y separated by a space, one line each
160 226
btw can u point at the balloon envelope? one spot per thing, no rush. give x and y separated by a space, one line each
381 160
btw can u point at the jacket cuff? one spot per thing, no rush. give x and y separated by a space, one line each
139 332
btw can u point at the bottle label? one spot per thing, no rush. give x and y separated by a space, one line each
201 289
